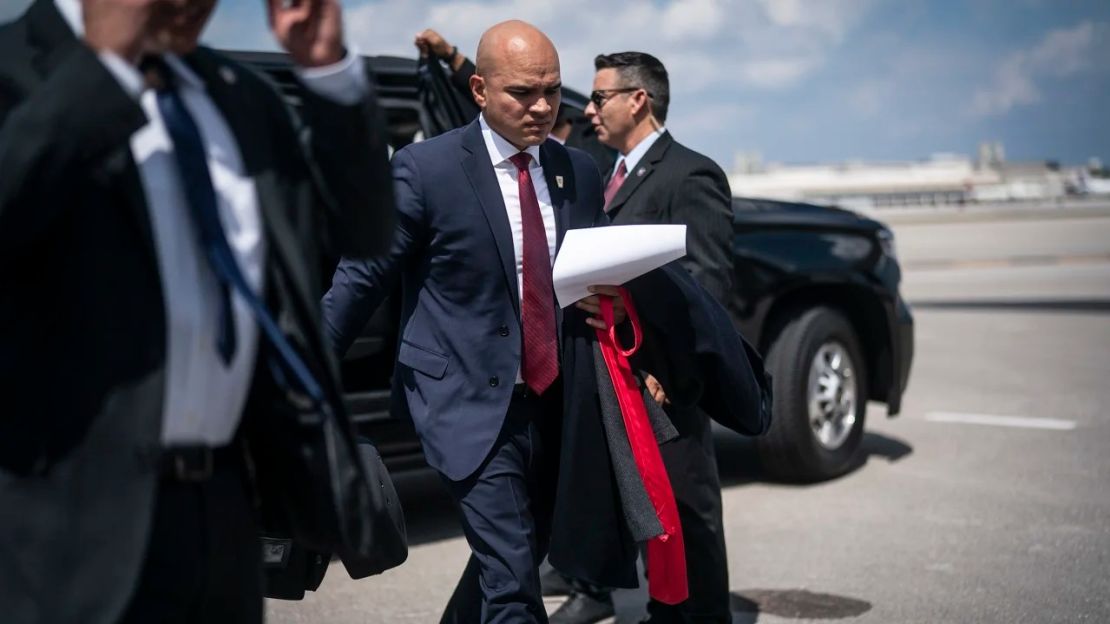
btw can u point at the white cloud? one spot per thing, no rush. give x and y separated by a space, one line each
721 54
777 73
750 44
1059 54
715 50
692 20
832 18
783 12
1064 52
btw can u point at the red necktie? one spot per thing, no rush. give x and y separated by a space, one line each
540 361
614 184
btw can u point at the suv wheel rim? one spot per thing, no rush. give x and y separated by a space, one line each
832 395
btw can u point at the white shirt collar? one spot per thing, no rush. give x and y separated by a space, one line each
633 157
501 150
71 12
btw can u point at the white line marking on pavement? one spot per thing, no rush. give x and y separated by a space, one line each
1022 422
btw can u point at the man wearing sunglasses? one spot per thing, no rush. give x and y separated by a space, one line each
658 180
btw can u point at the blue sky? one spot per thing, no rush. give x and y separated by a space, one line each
805 80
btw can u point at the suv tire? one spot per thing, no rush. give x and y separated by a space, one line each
820 386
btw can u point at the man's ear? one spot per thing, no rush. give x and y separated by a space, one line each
478 90
641 103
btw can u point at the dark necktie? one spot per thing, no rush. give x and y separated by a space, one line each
200 196
614 184
540 360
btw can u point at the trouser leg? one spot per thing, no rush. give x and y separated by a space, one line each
203 559
505 513
692 467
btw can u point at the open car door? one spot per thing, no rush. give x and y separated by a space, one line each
447 107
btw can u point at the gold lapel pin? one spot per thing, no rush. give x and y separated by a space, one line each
559 181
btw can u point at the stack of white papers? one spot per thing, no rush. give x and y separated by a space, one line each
612 255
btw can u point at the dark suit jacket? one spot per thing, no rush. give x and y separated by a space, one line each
460 337
674 184
692 348
82 319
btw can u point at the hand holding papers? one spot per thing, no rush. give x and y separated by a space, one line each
612 256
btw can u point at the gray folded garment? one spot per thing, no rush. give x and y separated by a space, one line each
639 514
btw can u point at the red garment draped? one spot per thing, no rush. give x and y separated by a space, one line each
666 555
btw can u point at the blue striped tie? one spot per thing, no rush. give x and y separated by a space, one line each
200 195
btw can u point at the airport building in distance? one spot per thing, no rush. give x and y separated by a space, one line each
941 180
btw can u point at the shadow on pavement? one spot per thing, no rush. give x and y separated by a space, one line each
879 445
738 461
797 604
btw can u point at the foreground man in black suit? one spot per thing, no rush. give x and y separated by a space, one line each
160 240
658 180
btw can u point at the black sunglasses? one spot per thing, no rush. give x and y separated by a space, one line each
599 96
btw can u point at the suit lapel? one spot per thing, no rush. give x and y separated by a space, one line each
643 169
560 186
50 35
221 82
124 164
476 165
559 173
283 203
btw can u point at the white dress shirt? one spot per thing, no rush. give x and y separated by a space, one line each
204 397
636 154
500 151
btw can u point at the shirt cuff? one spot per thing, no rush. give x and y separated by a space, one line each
126 74
343 82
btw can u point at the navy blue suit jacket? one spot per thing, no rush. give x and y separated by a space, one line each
460 342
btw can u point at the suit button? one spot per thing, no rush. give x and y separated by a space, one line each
494 382
503 330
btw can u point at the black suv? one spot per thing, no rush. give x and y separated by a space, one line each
816 289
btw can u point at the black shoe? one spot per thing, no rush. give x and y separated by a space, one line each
554 584
584 609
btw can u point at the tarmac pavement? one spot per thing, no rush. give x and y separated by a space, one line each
986 500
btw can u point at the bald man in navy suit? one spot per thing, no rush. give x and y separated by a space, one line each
480 366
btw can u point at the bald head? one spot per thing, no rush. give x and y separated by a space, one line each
512 41
517 82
